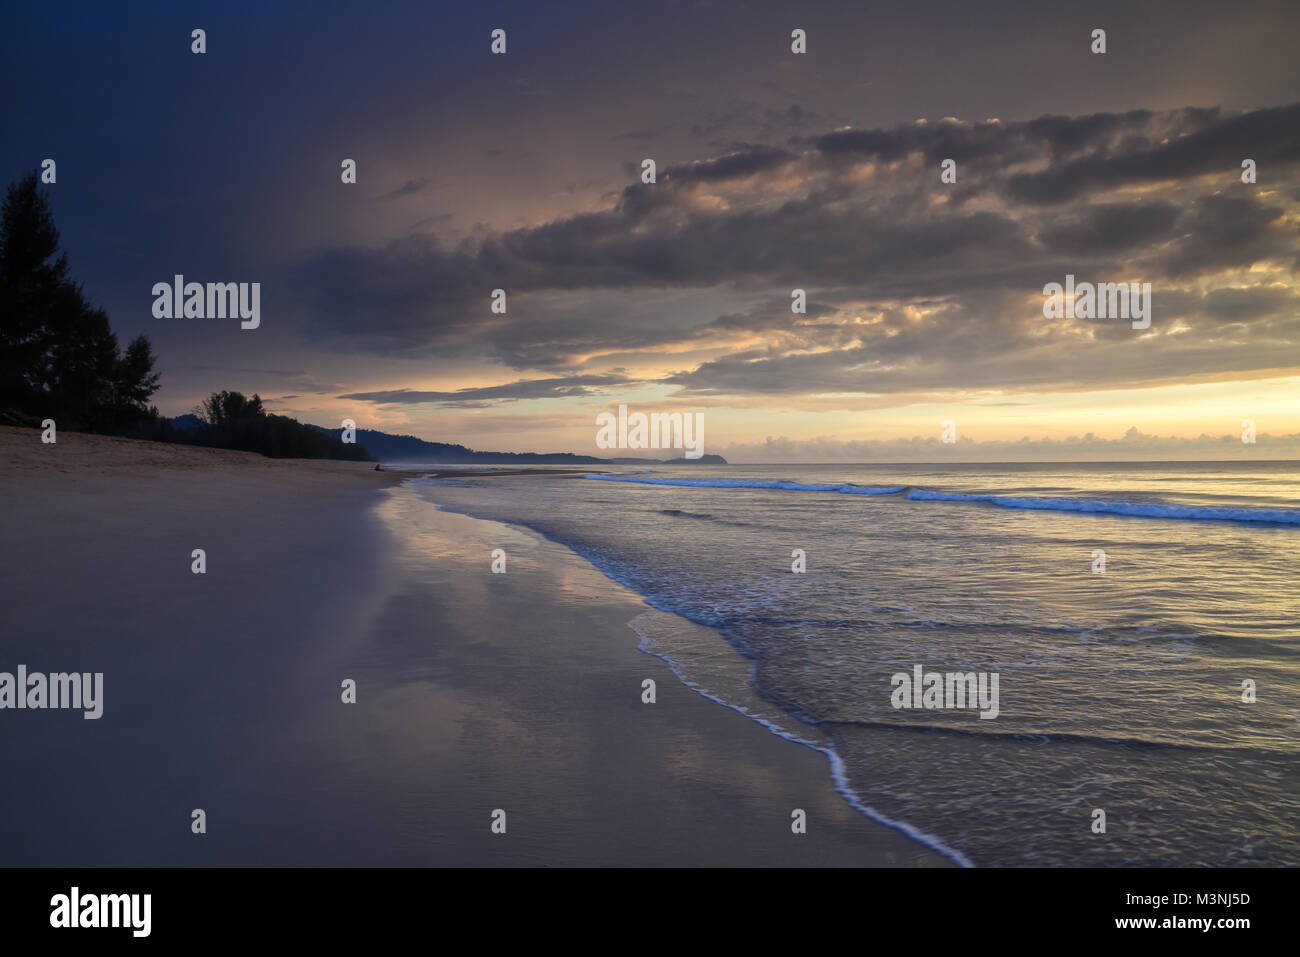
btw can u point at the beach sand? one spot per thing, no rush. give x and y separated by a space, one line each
475 691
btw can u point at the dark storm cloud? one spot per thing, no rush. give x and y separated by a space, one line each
1088 153
1112 228
917 284
651 238
1203 143
553 388
959 360
757 159
988 340
1253 302
1049 137
1224 231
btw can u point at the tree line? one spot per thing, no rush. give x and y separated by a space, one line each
61 360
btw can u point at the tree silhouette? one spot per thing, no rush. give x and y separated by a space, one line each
231 420
59 357
225 408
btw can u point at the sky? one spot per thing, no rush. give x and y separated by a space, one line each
775 171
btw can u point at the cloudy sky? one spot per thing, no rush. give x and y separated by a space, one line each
775 171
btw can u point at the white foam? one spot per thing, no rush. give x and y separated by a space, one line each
1224 513
842 487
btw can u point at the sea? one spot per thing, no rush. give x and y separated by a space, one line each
1142 619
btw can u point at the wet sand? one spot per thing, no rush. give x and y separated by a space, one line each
475 691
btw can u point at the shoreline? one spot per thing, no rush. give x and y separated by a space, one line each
744 701
838 834
475 692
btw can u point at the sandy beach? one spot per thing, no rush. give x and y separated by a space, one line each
475 691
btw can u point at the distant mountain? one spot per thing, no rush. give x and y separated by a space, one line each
187 422
407 448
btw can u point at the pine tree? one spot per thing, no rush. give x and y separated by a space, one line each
59 357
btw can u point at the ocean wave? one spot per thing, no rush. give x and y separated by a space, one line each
643 627
1203 513
846 488
1162 510
1044 737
